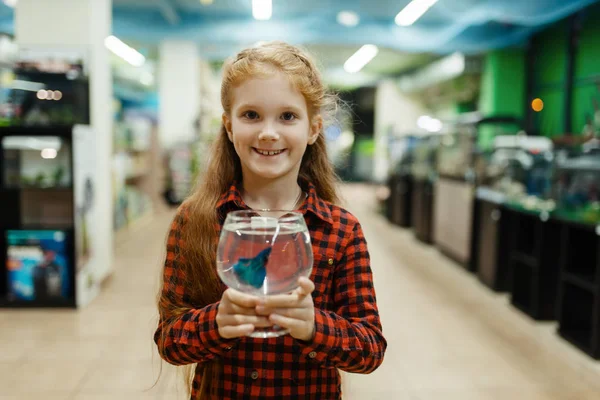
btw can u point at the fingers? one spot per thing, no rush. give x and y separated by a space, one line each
297 298
305 286
238 320
231 308
240 299
230 332
295 313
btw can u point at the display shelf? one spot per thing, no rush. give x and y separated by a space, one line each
69 303
47 237
579 318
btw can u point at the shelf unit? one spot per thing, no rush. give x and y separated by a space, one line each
579 290
534 253
46 240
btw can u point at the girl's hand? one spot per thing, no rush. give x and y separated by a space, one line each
294 311
236 315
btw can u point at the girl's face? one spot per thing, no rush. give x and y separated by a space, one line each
270 127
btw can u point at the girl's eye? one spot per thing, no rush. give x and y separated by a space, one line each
250 114
288 116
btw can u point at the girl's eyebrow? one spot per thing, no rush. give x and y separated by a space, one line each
281 107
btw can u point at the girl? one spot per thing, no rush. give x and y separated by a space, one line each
270 154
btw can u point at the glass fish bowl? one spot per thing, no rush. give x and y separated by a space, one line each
263 253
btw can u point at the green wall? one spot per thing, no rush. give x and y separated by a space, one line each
549 66
587 66
502 89
550 73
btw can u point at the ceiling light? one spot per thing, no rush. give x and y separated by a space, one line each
262 9
413 11
129 54
362 57
42 94
206 2
49 154
10 3
348 18
429 124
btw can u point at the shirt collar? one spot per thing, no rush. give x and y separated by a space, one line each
313 204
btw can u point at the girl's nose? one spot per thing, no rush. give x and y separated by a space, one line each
268 133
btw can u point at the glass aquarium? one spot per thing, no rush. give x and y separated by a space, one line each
577 188
401 154
264 253
520 169
455 154
425 157
36 162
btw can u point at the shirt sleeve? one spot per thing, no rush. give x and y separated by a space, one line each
350 338
191 334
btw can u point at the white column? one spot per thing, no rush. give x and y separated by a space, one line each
178 91
81 25
396 112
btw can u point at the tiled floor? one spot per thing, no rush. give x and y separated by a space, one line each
449 337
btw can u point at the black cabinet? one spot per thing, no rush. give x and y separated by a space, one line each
422 211
534 254
400 200
579 293
490 239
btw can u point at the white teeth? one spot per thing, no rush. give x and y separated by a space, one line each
269 153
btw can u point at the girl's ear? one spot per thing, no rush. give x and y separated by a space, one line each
315 129
227 125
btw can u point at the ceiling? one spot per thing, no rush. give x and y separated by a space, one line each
450 25
226 26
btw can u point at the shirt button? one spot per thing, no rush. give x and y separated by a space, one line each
254 375
330 261
312 354
228 348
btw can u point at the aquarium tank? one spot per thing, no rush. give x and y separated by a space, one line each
577 188
425 157
521 169
455 154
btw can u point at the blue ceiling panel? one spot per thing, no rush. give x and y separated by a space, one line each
226 25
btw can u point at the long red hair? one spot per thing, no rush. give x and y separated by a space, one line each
203 284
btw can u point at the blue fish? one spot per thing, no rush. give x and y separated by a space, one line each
252 271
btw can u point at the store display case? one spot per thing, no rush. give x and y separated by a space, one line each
516 173
424 176
577 210
400 184
47 218
48 93
453 193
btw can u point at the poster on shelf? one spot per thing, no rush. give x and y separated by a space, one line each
88 260
38 265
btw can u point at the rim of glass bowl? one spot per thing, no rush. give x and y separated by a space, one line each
245 215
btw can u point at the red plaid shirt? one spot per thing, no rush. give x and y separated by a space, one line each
348 329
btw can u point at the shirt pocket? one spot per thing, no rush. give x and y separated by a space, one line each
322 276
